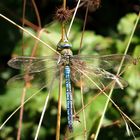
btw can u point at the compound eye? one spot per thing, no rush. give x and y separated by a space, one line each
63 45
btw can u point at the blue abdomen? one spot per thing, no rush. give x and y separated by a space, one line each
68 97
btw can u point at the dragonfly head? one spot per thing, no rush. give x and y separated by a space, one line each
63 45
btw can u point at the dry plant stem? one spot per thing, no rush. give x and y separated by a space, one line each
21 106
117 107
39 24
33 52
64 4
127 126
36 42
30 24
44 108
63 32
23 95
29 33
122 113
59 107
103 114
84 116
60 83
73 17
23 23
132 132
37 14
21 113
103 91
81 41
129 41
110 93
42 115
89 102
24 89
80 5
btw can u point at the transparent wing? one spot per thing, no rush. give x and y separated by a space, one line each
33 64
34 79
96 78
104 62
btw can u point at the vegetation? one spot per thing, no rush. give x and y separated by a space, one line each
108 31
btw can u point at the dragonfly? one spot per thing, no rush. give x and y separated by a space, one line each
81 69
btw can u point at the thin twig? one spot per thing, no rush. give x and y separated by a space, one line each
85 21
21 106
21 113
29 33
59 107
23 23
44 108
36 42
37 14
42 116
129 41
110 93
30 24
73 18
102 90
84 116
63 35
39 24
64 4
24 89
103 113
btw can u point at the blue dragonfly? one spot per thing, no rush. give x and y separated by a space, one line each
81 69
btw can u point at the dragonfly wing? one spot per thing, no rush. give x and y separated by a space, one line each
104 62
36 79
96 78
33 64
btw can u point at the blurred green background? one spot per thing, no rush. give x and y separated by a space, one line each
107 32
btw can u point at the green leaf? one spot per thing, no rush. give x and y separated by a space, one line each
126 24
